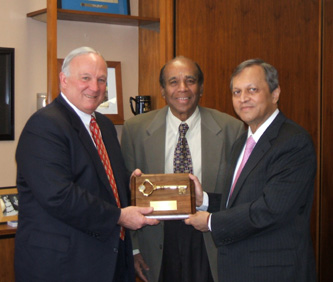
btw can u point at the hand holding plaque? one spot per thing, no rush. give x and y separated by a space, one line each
171 195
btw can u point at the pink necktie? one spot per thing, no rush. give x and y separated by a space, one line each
96 134
250 143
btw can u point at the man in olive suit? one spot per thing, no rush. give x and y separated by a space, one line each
148 143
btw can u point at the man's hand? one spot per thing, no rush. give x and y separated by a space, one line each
199 221
136 172
134 217
140 267
198 190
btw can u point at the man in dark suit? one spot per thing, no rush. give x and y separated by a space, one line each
70 225
262 230
148 143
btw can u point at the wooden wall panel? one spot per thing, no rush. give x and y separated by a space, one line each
155 47
221 34
326 226
149 64
149 52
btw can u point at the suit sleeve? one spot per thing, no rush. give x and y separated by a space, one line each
282 183
127 148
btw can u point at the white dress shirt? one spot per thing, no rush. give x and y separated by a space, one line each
193 137
85 118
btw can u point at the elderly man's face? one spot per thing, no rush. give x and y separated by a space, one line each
86 85
251 97
182 91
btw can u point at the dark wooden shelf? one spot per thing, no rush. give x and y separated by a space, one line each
5 229
82 16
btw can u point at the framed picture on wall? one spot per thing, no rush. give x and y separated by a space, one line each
121 7
112 106
8 204
6 93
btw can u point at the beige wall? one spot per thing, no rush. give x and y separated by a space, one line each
28 37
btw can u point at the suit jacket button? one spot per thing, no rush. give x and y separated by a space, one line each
115 250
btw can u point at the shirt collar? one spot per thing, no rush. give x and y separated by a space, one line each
83 116
260 131
174 122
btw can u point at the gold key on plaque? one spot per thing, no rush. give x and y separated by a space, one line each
142 188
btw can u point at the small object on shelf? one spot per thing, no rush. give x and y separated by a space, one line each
8 204
142 104
102 6
12 223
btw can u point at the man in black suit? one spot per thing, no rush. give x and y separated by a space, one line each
70 225
262 227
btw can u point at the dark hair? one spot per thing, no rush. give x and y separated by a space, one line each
200 75
271 74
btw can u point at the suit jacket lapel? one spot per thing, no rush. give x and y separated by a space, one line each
236 150
113 148
86 140
211 144
154 143
259 151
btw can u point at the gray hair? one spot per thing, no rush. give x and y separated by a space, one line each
271 74
76 52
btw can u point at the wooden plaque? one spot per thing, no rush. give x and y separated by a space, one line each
171 195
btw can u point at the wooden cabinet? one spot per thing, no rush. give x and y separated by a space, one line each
7 243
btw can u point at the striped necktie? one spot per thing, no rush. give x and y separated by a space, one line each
96 134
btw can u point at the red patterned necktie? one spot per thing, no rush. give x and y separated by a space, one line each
96 134
250 143
182 162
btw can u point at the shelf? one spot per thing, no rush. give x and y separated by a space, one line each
83 16
5 229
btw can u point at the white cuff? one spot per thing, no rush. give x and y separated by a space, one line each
209 222
205 202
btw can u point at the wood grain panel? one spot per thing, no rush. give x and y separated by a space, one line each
149 63
52 78
155 48
326 229
221 34
149 8
149 55
7 243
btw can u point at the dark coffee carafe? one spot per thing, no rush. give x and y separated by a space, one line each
142 104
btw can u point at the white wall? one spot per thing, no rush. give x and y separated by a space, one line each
28 37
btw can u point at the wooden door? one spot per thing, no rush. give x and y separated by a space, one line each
326 163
